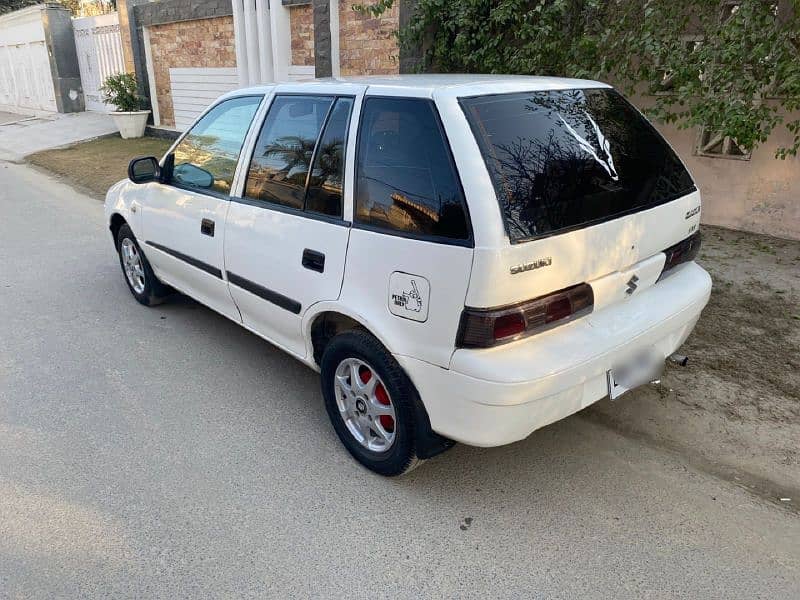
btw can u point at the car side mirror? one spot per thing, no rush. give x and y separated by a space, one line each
144 169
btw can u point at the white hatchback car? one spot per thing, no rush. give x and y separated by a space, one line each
463 258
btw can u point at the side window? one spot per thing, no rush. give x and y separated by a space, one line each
284 149
405 179
206 157
324 194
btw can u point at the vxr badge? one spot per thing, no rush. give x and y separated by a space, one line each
632 285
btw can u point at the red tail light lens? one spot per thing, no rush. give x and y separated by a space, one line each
682 252
484 328
508 325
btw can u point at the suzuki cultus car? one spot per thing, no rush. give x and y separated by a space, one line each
462 258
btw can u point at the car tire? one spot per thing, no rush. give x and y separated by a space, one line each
357 351
138 273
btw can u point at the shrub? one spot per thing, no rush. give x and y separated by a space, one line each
121 90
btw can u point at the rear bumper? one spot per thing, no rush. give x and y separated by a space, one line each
501 395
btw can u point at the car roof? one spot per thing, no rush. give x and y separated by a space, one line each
455 84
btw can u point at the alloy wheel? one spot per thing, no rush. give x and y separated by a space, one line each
364 405
132 265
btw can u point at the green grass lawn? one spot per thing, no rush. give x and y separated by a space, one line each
97 164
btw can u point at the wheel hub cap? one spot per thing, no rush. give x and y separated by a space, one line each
132 265
364 405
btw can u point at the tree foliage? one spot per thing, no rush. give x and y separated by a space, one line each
732 67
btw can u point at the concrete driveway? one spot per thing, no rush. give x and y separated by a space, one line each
21 135
168 453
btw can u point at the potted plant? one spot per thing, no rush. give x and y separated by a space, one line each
121 90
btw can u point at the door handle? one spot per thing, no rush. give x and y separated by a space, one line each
207 227
314 260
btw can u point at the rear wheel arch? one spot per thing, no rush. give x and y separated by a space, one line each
328 323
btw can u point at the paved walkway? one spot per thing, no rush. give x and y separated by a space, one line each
21 135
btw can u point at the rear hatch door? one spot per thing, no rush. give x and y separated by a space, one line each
588 190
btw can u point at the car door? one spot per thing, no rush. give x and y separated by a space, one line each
183 219
410 251
285 237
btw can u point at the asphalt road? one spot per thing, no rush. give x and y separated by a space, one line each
169 453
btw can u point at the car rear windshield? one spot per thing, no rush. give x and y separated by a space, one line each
560 160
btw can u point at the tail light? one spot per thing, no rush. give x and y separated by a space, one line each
484 328
682 252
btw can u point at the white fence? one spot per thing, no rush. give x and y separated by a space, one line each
193 89
26 83
99 47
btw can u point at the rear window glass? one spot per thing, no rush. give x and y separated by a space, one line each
560 160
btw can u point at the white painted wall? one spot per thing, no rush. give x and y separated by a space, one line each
26 83
299 73
193 89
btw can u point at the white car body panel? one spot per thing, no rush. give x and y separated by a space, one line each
483 397
503 394
581 255
171 218
371 260
266 247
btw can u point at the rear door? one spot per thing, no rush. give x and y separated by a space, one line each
411 247
286 236
183 220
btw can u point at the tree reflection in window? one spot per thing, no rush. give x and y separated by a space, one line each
284 149
564 158
325 184
206 157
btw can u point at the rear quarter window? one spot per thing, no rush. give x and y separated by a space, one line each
560 160
405 177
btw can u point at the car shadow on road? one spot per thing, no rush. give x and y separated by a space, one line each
282 395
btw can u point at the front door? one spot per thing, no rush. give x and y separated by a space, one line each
285 237
183 220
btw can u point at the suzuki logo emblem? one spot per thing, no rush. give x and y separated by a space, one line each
632 285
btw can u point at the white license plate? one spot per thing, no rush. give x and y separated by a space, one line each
640 369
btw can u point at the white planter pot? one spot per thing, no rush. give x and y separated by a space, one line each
131 124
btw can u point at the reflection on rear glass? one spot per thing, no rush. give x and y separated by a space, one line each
564 159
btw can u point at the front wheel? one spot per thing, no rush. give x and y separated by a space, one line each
370 402
139 276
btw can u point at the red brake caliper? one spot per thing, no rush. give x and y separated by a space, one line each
387 422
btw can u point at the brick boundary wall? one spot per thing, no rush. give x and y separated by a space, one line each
301 33
367 46
143 13
206 42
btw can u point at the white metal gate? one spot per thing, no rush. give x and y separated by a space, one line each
99 47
